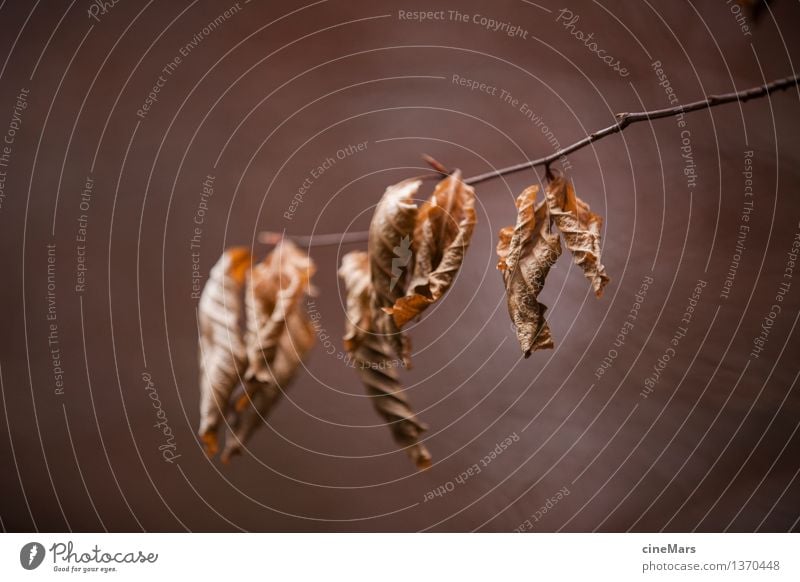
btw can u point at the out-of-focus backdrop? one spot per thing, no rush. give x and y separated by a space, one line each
115 115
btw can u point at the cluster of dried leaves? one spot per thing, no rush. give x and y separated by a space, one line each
254 334
527 250
416 248
414 256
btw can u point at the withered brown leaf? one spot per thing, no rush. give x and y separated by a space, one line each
258 399
443 230
355 273
222 351
580 228
276 287
390 257
526 252
278 337
370 354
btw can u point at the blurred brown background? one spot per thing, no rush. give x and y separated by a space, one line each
263 97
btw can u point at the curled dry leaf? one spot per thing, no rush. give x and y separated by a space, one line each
443 230
276 287
390 257
580 228
526 252
370 353
278 337
358 288
255 401
221 349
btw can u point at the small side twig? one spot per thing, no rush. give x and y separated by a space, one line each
335 238
436 165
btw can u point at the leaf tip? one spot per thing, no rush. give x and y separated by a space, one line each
242 402
230 453
421 456
210 445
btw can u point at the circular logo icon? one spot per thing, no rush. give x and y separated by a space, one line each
31 555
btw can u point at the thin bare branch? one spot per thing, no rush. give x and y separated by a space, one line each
626 119
623 121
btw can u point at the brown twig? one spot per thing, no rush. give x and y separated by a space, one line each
436 165
270 238
623 121
626 119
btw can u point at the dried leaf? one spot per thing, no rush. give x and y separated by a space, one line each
526 252
370 353
275 291
278 337
390 255
221 349
259 398
256 399
580 228
356 275
444 226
